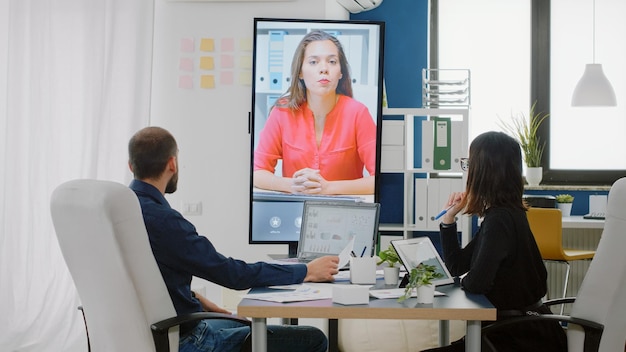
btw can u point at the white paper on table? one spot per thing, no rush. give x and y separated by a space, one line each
395 293
345 254
302 293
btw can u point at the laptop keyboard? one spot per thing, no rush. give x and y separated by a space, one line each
596 216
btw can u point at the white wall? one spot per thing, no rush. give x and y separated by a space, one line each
211 125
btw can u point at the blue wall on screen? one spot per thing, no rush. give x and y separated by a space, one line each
406 54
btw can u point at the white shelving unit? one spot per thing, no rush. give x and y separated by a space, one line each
424 197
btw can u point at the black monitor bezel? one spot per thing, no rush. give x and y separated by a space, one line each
379 118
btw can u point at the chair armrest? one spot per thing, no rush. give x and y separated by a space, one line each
160 329
557 301
593 330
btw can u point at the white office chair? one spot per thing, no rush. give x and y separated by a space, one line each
596 322
104 241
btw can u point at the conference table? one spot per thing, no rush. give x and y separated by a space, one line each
455 304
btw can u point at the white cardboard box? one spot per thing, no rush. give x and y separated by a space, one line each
351 294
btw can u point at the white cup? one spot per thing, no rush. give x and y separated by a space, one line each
363 270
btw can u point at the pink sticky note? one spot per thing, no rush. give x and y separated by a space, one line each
186 45
185 82
227 61
186 64
226 77
228 44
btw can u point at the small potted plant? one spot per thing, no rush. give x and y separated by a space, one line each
391 271
564 203
524 130
421 279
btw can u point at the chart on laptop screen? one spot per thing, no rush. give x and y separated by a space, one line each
329 226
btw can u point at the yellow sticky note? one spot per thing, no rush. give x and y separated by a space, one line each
245 62
206 63
207 81
207 44
245 78
245 44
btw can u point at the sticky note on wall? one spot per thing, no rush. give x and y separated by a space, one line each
207 81
207 63
186 64
207 44
186 45
228 44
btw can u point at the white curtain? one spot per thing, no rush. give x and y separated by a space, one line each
74 86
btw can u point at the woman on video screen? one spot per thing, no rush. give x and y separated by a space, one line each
325 138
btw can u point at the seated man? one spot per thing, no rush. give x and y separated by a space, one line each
182 253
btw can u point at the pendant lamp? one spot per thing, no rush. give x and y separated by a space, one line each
593 88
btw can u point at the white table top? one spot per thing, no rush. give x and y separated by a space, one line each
577 222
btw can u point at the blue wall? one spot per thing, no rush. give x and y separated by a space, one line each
405 55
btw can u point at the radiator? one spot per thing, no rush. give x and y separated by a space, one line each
575 239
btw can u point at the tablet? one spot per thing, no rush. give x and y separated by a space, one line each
414 251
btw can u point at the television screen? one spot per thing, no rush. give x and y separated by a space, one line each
316 118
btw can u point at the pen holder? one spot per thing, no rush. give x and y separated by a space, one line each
363 270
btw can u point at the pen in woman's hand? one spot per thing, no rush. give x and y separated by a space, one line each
443 212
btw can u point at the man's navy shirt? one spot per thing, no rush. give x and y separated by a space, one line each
181 253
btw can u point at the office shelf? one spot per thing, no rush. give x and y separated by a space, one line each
410 148
446 88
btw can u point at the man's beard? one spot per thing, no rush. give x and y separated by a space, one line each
172 184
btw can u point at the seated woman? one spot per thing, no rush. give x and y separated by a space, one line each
502 261
324 137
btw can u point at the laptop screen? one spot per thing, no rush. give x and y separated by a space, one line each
328 227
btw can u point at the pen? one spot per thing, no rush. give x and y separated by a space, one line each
363 252
443 212
352 253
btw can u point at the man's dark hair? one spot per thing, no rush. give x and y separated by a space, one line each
149 150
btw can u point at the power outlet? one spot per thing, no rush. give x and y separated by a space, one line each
192 208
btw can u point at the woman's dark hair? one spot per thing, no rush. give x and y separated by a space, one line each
149 150
495 174
296 94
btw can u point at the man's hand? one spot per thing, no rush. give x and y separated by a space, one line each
322 269
209 306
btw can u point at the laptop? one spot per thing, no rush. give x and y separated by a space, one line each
414 251
328 226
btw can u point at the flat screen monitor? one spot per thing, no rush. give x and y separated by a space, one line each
316 119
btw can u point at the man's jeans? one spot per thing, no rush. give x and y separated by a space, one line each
226 336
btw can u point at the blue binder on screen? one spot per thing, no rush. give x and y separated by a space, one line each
275 60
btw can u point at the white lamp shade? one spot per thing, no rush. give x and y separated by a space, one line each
594 89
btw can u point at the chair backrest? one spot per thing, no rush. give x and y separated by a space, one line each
104 241
547 227
602 294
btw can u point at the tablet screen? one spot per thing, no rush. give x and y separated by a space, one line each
418 250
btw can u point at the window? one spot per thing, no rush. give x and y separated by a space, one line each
491 38
585 145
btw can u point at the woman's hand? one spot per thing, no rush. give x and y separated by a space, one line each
308 181
454 205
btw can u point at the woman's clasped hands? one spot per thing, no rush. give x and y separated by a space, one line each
308 181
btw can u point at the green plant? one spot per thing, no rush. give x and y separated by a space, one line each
524 130
564 198
388 256
422 275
